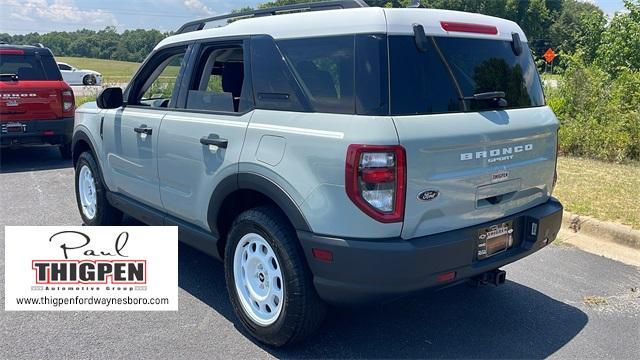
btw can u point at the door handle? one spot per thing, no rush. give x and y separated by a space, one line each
143 129
214 139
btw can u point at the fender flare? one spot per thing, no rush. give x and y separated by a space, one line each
261 184
81 135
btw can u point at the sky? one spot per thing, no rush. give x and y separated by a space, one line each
23 16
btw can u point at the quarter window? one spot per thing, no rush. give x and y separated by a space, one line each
324 68
274 86
372 85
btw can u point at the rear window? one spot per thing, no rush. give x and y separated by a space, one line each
435 81
30 66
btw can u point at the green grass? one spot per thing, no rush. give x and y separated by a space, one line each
606 191
112 70
547 76
84 99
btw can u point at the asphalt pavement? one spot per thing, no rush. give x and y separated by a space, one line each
560 302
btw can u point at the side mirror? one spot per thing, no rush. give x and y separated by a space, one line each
110 98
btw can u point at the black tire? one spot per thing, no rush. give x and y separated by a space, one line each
89 80
105 213
65 151
303 310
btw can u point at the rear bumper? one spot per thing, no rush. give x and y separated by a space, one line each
379 270
58 131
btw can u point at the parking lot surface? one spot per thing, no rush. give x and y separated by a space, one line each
561 302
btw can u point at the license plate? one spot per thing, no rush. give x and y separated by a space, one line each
15 127
494 239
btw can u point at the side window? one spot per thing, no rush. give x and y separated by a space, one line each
219 82
324 68
274 86
160 90
64 67
155 84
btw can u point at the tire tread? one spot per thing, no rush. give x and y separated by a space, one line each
304 317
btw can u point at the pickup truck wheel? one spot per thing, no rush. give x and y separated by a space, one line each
269 284
65 151
94 208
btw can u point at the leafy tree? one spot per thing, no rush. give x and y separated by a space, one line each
131 45
620 46
536 20
578 26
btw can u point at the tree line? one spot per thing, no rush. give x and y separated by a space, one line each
563 24
130 45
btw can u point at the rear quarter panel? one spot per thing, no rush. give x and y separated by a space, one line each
305 153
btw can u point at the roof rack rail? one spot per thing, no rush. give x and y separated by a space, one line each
197 25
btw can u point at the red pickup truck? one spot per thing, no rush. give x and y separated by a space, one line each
36 105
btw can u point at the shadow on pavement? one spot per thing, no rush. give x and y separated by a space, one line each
21 159
511 321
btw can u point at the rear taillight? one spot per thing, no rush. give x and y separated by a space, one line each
375 180
68 101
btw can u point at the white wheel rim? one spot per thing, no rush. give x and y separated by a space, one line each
258 279
87 190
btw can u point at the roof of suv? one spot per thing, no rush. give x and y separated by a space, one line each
353 21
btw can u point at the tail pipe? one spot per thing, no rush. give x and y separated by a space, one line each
495 277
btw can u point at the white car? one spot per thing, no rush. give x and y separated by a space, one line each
74 76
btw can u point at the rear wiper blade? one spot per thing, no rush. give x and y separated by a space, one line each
497 96
486 96
8 77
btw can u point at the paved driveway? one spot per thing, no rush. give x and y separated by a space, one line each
560 302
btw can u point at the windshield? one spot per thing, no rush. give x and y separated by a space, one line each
451 71
30 66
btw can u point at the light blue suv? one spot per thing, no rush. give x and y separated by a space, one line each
341 154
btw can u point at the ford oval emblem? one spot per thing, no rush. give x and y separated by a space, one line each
428 195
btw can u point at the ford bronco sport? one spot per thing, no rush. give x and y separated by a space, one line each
341 156
36 105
